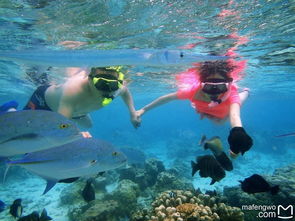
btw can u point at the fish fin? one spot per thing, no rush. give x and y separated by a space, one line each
49 185
69 180
274 190
242 152
212 182
202 140
44 216
195 167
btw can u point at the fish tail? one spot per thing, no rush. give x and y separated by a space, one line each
195 167
274 190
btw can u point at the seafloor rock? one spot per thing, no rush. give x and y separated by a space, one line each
179 205
125 195
153 167
72 193
135 174
167 180
98 211
284 177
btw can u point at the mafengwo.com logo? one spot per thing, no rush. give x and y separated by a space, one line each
285 212
279 212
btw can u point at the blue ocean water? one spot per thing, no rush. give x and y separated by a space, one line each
169 132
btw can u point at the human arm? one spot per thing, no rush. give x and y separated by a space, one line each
128 100
159 101
238 139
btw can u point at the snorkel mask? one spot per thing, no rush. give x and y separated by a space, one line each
106 81
214 87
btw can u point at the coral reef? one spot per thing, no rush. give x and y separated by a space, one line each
167 180
179 205
125 195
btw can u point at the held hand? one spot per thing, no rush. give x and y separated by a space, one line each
86 134
239 141
140 112
135 120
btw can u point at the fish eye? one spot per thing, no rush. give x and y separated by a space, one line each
181 54
115 153
63 126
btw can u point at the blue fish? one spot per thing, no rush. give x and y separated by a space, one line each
28 131
103 58
84 157
2 206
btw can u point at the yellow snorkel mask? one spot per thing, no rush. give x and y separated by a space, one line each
106 81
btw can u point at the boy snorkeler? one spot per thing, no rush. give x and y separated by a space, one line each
213 95
82 94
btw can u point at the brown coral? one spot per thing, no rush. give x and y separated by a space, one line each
178 205
187 208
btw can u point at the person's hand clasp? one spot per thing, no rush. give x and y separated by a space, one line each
239 141
135 120
140 112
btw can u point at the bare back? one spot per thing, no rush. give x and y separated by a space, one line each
76 94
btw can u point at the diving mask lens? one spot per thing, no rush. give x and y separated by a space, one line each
106 84
215 86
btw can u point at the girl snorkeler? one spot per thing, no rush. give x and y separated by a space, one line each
210 88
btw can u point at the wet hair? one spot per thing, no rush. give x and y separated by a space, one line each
95 71
210 68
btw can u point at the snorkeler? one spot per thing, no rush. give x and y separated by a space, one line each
84 93
213 95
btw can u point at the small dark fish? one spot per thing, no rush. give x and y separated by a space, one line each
172 194
257 184
2 206
44 216
16 208
88 192
214 144
34 216
224 161
286 135
209 167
